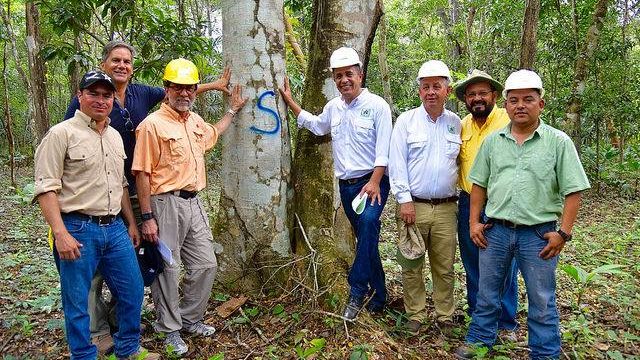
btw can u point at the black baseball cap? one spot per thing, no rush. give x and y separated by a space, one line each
95 76
150 262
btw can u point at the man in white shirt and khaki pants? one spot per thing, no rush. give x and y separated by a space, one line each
360 126
423 171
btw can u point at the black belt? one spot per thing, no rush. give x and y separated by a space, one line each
355 180
185 194
436 201
511 225
97 219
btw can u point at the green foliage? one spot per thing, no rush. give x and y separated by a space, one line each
218 356
305 348
23 195
360 352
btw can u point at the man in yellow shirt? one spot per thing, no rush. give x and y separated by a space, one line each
479 92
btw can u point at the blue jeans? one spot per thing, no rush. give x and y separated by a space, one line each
469 256
543 322
366 273
108 249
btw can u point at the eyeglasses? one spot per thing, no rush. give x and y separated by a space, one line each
480 93
179 88
128 124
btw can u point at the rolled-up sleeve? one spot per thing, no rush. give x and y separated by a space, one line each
398 173
384 128
319 125
147 149
49 162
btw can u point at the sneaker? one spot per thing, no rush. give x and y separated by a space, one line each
200 328
352 309
174 344
465 351
142 354
104 343
413 327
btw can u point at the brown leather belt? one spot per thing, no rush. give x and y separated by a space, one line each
436 201
100 220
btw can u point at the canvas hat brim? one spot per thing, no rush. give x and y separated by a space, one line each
462 86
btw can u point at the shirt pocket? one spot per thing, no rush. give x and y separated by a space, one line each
83 161
335 127
364 128
417 145
465 147
543 166
452 146
174 146
200 140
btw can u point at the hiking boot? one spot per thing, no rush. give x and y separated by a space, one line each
352 309
200 328
104 343
465 351
138 355
174 344
413 327
507 336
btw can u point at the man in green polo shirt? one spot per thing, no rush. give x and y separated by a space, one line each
529 174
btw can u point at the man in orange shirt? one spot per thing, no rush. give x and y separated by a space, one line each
169 166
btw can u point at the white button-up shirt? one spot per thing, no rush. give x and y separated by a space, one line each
423 155
360 133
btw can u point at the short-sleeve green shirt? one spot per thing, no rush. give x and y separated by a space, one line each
527 184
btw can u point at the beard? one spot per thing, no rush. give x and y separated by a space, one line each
478 113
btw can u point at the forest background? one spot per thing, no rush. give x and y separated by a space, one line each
587 53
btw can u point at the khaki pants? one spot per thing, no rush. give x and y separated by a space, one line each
437 224
183 226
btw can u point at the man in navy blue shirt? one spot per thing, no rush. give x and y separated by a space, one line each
132 104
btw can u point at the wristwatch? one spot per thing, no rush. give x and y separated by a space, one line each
147 216
566 237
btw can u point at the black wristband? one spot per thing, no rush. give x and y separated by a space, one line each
147 216
566 237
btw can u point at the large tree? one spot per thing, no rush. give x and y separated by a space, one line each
254 221
317 201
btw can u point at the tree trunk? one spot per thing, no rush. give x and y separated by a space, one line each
7 118
295 46
574 108
254 222
382 63
317 200
528 43
76 68
37 70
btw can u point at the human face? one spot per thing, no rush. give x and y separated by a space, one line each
181 97
349 81
433 92
96 101
119 65
524 107
480 99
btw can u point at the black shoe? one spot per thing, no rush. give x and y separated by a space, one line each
375 309
352 309
465 351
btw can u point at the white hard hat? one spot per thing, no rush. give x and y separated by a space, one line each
344 56
433 68
523 79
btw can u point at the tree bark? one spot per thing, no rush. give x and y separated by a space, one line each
382 63
574 108
37 71
528 43
7 118
317 200
254 222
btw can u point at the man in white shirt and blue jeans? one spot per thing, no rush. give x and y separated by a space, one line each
422 166
360 127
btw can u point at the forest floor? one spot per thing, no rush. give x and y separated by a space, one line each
606 323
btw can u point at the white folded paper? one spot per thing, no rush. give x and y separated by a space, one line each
166 253
359 203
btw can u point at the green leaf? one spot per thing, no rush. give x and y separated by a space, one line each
358 354
218 356
278 309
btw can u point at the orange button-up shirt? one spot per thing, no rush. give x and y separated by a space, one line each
171 150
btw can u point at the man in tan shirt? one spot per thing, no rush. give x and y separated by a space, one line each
169 166
81 189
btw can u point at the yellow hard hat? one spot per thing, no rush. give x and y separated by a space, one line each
181 71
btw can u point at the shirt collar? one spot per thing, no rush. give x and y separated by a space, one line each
172 114
86 119
506 131
356 100
426 115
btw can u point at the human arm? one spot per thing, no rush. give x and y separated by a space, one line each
129 217
555 242
237 103
398 172
143 186
318 124
285 91
476 228
383 127
67 246
372 187
221 84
